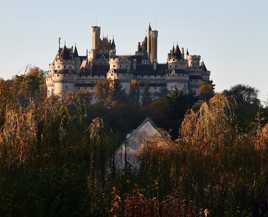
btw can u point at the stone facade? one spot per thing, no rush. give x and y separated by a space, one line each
70 72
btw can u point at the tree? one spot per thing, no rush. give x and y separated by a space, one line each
212 126
115 94
146 95
102 88
168 111
18 134
247 105
243 94
134 92
96 129
262 138
206 90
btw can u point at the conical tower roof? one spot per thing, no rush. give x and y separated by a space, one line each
178 53
149 28
113 44
75 52
203 66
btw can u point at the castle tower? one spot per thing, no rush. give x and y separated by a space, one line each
149 40
153 55
95 42
95 37
152 36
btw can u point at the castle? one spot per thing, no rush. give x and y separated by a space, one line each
71 72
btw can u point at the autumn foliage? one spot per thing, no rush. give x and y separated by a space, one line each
57 154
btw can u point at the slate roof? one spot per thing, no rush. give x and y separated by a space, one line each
203 67
68 53
195 77
96 70
75 54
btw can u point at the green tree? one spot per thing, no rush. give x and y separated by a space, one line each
247 105
206 90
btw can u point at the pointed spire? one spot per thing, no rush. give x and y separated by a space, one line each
203 66
149 28
75 51
59 40
63 52
64 49
173 49
139 46
187 52
178 53
113 44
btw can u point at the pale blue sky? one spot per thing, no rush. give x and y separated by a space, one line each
230 35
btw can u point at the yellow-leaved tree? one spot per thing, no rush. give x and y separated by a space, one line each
211 127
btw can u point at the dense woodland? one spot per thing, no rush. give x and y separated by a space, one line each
57 155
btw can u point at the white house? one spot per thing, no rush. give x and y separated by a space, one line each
129 152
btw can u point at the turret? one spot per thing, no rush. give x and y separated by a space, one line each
95 42
112 51
176 58
142 49
183 53
175 53
153 55
194 61
178 54
63 71
152 36
95 37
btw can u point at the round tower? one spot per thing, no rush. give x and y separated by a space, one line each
149 40
153 53
152 36
95 37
